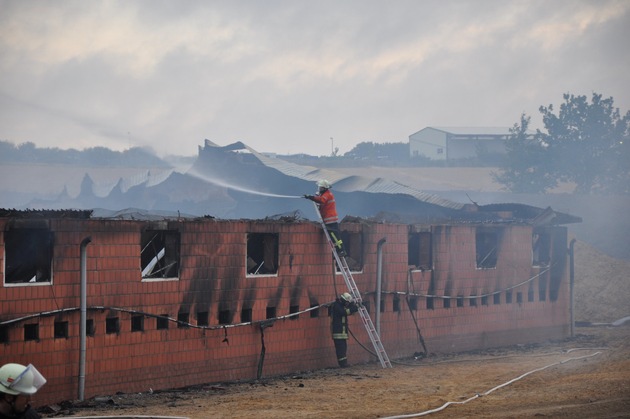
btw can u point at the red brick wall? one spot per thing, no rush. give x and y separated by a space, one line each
213 278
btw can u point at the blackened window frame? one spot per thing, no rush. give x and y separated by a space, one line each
486 248
166 266
28 256
262 254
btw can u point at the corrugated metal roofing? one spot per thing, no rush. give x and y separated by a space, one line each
344 183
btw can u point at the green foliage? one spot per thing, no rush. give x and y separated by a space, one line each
587 144
368 150
525 166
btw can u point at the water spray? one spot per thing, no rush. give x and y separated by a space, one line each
224 184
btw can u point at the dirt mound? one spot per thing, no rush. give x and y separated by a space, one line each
602 285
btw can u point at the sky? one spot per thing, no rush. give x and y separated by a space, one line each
296 76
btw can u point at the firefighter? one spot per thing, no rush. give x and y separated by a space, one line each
17 384
325 201
341 309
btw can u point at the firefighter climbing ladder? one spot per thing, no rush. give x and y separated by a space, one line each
354 291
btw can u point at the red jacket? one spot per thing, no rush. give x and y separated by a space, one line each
327 207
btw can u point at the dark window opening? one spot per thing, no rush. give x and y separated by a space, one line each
508 297
60 330
396 304
460 301
419 254
429 303
486 249
162 322
112 325
473 301
353 243
484 300
413 303
31 332
246 315
90 327
496 298
225 317
262 253
542 289
446 302
182 320
519 297
202 318
292 310
271 312
530 293
137 323
159 254
4 334
315 311
541 247
382 305
28 255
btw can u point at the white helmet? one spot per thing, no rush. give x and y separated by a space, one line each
346 297
323 183
17 379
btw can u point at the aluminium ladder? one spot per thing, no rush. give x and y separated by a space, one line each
356 295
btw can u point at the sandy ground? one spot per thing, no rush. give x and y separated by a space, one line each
585 376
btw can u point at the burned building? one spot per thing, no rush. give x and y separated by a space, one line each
127 302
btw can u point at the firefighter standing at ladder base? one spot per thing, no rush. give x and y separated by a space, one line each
328 210
341 309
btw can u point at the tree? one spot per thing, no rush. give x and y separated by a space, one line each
525 166
587 144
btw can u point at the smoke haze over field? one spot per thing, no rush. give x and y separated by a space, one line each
295 76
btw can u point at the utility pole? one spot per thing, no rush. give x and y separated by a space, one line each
332 147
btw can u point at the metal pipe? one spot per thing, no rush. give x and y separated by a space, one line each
571 284
379 280
83 321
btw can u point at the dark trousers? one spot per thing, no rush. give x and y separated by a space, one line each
341 347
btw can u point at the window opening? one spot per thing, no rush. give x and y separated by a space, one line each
484 300
419 251
496 298
90 328
262 253
162 322
31 332
112 325
353 243
446 302
202 318
4 334
28 255
413 303
294 309
61 330
396 304
486 249
541 247
182 320
429 303
530 292
508 297
519 297
366 304
473 301
382 305
246 315
224 317
137 323
460 301
314 312
271 312
159 253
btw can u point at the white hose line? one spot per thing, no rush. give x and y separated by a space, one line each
445 405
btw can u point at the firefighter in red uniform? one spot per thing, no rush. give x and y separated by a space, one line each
341 309
328 210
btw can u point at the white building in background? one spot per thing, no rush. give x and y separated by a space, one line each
442 143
